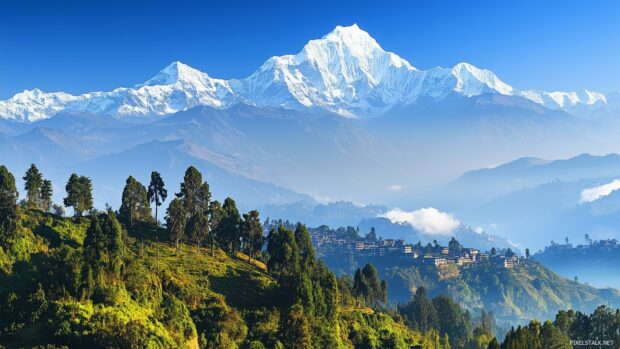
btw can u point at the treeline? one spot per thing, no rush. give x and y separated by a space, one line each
105 268
66 292
601 329
443 315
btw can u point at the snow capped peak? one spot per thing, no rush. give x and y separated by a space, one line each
473 81
177 72
351 35
346 71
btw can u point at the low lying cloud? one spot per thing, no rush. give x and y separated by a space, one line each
395 187
593 194
427 220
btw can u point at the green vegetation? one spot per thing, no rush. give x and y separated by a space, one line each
599 329
527 291
116 280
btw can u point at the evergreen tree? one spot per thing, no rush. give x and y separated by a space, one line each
252 233
372 236
216 215
198 228
370 274
94 247
157 192
33 180
8 207
104 248
360 286
230 226
135 205
283 252
368 287
306 250
46 195
190 189
79 194
454 246
175 221
115 243
452 320
424 315
493 344
297 329
196 197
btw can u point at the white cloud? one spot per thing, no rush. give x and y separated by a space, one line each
396 187
428 220
479 230
592 194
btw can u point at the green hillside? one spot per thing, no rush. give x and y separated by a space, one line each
163 297
527 291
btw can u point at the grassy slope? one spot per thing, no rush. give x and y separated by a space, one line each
230 289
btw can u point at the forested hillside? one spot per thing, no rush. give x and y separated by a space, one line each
114 279
210 278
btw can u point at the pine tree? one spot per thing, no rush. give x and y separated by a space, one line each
306 250
135 205
230 226
79 194
33 180
104 248
198 225
8 207
46 195
115 243
176 220
493 344
216 215
297 330
284 258
252 233
190 189
94 247
157 192
373 293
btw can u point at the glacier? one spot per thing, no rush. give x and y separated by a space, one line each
346 72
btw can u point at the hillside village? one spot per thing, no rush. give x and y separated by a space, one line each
590 246
348 241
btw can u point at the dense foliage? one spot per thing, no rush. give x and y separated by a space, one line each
115 280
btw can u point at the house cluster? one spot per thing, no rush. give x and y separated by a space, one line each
591 246
427 255
464 257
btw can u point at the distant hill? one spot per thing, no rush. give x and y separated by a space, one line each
594 262
525 292
485 184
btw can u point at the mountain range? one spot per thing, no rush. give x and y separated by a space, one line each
342 120
346 72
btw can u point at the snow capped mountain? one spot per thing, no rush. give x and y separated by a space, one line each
33 105
472 81
177 87
346 72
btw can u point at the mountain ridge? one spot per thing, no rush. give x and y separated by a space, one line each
345 71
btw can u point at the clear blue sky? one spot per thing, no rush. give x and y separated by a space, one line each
98 45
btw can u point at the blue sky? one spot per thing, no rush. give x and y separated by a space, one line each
98 45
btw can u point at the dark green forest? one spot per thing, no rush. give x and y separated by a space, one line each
211 278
